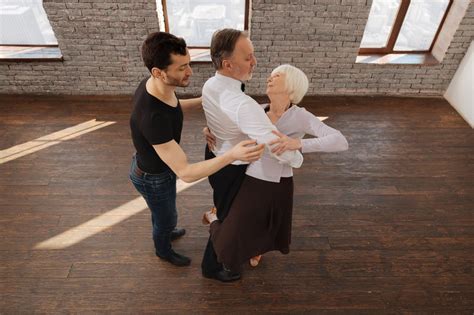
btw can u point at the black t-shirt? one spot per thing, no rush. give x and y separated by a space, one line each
153 122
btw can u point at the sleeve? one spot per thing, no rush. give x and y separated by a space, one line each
328 139
158 129
252 120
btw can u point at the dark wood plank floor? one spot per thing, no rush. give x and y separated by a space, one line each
385 227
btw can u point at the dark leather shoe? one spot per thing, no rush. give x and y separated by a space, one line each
176 259
177 233
223 275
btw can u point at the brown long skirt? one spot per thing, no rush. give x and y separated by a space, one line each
259 221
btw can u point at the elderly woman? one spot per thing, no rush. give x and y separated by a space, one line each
260 217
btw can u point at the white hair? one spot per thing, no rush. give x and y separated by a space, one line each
296 82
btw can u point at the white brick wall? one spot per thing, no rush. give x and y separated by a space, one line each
100 43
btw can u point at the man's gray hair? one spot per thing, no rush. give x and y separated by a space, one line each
296 82
223 45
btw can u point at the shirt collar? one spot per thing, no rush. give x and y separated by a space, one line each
231 82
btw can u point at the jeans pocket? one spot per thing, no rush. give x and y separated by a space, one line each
138 184
161 189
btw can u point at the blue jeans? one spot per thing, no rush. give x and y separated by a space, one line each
159 192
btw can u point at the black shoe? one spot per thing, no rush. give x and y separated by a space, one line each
176 259
223 275
177 233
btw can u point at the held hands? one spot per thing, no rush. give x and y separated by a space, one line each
284 143
210 138
247 150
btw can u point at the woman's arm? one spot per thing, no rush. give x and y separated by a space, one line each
328 139
252 121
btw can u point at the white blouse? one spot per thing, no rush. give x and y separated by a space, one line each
295 123
233 116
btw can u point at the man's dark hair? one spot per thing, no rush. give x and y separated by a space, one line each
158 47
223 45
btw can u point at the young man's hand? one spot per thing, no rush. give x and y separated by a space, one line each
247 151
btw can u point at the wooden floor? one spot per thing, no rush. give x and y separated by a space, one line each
385 227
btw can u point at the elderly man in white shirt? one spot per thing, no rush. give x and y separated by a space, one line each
260 216
233 116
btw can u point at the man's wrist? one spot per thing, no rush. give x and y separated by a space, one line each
228 157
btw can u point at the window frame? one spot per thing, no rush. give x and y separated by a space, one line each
167 29
397 26
21 56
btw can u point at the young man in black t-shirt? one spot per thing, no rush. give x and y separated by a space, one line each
156 123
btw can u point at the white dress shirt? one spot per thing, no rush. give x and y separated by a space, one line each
232 116
295 123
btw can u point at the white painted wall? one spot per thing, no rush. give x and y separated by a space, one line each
460 93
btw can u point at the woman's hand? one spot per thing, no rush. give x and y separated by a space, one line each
210 138
284 143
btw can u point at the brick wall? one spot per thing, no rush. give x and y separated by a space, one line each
100 43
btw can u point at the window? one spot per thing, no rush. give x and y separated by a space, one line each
25 32
197 20
403 26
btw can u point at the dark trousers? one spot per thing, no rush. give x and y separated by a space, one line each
159 192
225 184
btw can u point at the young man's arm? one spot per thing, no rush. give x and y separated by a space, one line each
172 154
191 103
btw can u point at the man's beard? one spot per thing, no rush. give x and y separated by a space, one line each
175 82
247 77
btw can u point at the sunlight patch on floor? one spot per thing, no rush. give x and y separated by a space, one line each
103 221
54 138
